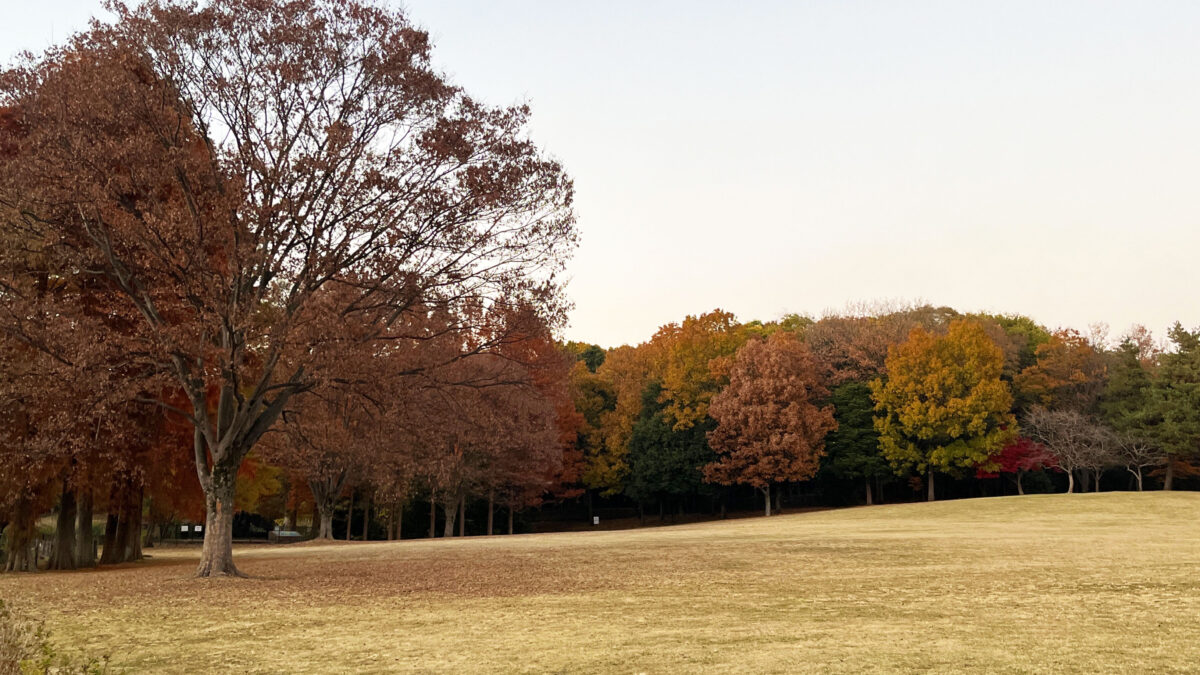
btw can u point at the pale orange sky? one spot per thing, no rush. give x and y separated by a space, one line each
1028 157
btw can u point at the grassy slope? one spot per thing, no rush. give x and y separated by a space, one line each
1107 582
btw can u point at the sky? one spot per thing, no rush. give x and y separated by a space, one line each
773 157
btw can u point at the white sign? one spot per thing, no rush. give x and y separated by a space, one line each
199 528
595 520
183 528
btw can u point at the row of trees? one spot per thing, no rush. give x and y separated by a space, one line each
244 219
915 392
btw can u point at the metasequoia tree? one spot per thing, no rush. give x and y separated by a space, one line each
770 424
219 165
943 406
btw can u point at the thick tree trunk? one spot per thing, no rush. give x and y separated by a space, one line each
767 498
1169 478
350 516
932 495
462 516
133 549
64 532
492 509
19 539
451 512
870 500
510 520
108 551
326 517
216 557
85 551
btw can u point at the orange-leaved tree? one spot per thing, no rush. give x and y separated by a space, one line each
770 424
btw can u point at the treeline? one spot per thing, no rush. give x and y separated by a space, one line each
850 405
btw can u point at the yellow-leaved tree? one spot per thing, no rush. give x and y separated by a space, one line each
943 406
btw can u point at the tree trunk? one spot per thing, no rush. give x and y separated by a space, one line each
18 537
85 555
350 516
366 531
462 516
1169 478
767 498
931 495
492 508
432 516
1070 481
326 515
1139 478
64 532
108 551
216 557
1098 472
400 521
1020 487
133 550
779 500
510 520
870 501
450 510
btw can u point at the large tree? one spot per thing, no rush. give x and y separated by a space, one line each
1175 399
771 426
218 166
943 406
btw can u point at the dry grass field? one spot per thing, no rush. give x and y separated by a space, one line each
1048 583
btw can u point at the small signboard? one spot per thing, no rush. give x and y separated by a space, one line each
595 520
183 528
199 528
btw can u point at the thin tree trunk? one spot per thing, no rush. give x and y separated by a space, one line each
462 515
492 508
870 500
767 498
931 496
1070 481
432 516
367 518
1169 478
216 557
1139 478
64 531
350 516
510 520
85 544
1020 487
779 500
400 521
